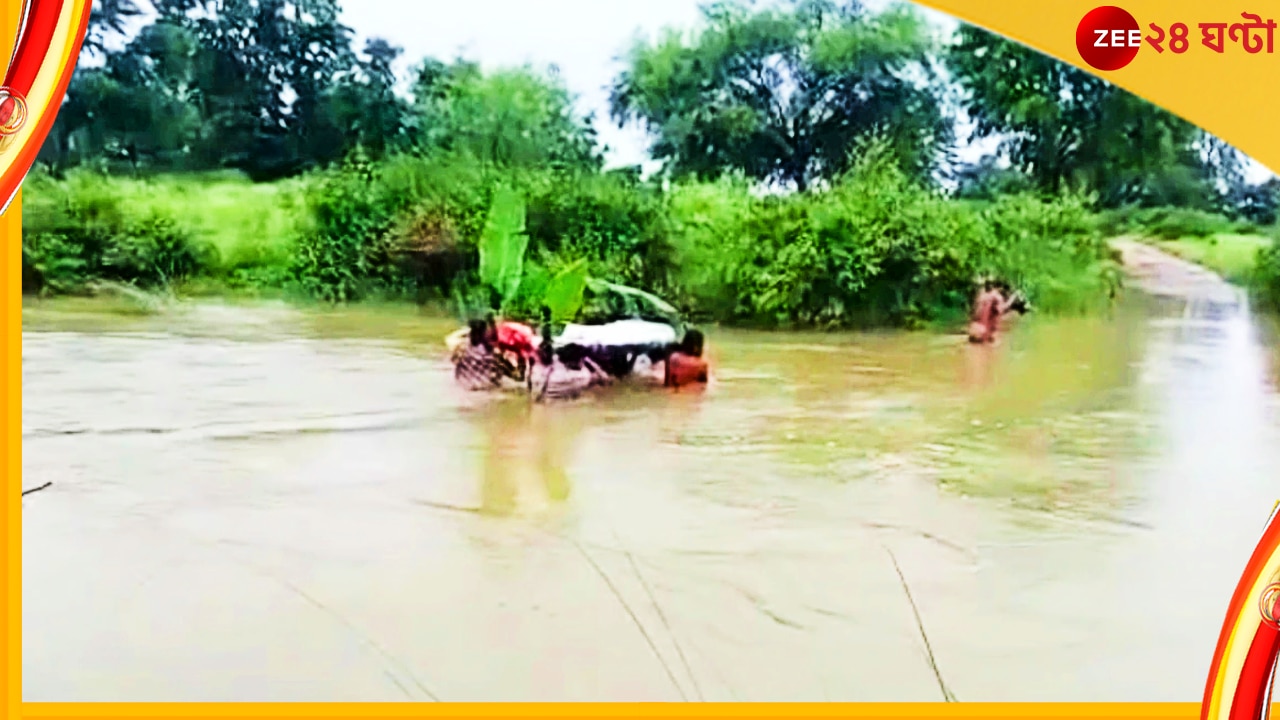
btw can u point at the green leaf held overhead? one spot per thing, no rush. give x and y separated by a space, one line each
503 244
564 295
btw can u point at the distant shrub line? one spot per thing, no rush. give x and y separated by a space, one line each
873 249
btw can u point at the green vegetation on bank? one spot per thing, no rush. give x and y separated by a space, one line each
808 175
874 248
1241 251
1234 257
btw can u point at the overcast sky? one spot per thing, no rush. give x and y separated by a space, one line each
583 38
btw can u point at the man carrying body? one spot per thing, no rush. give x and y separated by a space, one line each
685 365
993 302
566 373
985 307
481 367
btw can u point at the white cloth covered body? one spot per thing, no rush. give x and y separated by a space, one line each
621 332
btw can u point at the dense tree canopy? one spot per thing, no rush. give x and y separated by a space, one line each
510 117
782 93
1062 126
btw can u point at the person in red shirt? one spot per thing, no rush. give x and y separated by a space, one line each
517 339
685 365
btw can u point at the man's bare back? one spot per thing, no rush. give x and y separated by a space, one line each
986 314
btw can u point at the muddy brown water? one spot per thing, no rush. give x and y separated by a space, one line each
258 502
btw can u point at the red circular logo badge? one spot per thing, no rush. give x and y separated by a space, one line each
1108 38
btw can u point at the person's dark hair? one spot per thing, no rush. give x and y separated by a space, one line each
572 356
988 284
491 328
692 343
546 350
479 332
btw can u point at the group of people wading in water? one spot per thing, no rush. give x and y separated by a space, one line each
491 354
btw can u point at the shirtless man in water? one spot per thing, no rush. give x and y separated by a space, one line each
566 373
979 321
992 303
685 365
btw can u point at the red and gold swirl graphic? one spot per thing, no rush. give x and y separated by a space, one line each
1244 663
50 33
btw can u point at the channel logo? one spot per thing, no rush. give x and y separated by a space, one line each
1108 38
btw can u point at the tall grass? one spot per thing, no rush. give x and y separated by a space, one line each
242 232
1240 251
1234 257
873 249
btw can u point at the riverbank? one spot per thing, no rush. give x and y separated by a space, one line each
875 249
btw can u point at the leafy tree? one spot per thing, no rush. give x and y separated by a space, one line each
508 118
364 106
264 69
783 93
139 107
1063 126
108 19
987 180
317 53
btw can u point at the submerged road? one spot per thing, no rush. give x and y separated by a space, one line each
258 503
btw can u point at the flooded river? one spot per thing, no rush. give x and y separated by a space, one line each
257 502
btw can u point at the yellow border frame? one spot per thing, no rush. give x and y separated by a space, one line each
1223 93
863 711
11 428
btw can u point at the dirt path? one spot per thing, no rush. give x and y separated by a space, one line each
1162 274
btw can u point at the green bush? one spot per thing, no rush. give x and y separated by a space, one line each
1266 277
712 248
86 229
875 249
336 258
412 223
155 252
390 228
51 265
613 222
1170 223
1056 254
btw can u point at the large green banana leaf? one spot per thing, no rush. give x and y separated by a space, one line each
564 294
503 244
640 298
